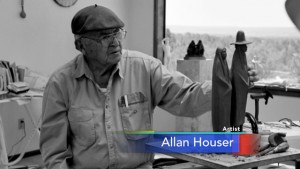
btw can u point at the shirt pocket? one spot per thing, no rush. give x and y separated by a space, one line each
135 114
82 126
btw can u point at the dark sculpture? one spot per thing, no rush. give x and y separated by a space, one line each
195 50
240 81
191 49
199 51
221 92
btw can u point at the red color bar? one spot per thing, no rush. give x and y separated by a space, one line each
249 144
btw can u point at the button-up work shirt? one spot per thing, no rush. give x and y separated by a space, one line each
83 126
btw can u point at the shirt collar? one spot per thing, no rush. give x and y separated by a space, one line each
119 69
81 68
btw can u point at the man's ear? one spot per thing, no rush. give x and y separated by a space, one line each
78 44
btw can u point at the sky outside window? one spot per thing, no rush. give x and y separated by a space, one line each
275 39
243 13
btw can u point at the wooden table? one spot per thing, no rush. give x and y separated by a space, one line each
229 161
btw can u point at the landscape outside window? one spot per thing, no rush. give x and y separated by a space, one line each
275 50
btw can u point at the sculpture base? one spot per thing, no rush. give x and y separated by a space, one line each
199 70
194 57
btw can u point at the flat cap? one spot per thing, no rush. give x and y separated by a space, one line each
95 18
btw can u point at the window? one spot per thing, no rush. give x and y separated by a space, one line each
275 49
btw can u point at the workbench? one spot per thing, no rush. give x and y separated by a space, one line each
229 161
275 89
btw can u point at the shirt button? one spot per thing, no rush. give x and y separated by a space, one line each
111 146
106 106
108 126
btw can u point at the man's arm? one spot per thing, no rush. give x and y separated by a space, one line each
177 94
54 128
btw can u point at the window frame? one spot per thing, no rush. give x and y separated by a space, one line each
159 28
159 35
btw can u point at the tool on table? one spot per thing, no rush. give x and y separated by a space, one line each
277 144
278 125
289 122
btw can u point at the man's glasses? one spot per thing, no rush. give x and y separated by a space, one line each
120 35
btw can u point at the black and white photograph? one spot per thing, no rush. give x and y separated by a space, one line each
149 84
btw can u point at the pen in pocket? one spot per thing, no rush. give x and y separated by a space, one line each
126 101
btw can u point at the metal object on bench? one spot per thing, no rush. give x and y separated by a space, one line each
266 95
253 121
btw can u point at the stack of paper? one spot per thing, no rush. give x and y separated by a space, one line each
18 87
8 74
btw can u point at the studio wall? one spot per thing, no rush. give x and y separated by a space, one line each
43 41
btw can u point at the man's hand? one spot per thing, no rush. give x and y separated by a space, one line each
252 73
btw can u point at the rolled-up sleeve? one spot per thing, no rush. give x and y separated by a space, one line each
54 127
177 94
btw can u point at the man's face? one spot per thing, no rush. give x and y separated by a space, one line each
104 48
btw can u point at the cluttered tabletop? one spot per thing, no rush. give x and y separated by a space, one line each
238 162
232 161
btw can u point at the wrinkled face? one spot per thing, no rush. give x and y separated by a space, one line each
105 47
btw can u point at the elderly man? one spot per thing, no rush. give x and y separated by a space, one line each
93 99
